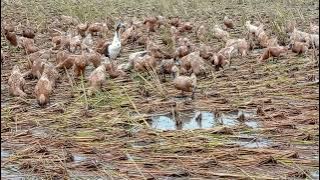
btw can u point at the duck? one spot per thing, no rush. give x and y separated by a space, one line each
141 39
166 65
75 43
272 52
28 45
229 52
155 50
37 68
93 57
263 39
193 63
240 45
51 73
82 28
8 27
290 26
300 36
61 56
97 79
16 83
96 28
134 56
69 20
66 62
144 63
205 51
151 23
80 64
43 90
61 42
273 41
101 46
185 48
182 51
185 27
174 21
174 34
114 71
28 33
252 29
219 61
201 33
11 37
220 33
113 50
42 54
128 34
228 22
184 83
299 47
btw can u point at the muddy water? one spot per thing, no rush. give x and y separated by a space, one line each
40 132
5 154
8 172
77 158
252 141
201 119
11 172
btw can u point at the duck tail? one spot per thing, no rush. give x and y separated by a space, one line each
42 100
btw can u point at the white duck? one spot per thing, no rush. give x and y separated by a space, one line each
112 50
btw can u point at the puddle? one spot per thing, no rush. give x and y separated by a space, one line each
252 124
315 175
75 175
5 153
252 142
140 144
146 143
11 172
200 120
40 132
77 158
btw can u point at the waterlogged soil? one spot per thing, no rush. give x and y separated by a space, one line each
128 131
201 120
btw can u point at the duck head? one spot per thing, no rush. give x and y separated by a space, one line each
119 26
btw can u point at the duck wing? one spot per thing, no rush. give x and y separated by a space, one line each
106 50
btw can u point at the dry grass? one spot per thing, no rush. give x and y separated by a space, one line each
111 129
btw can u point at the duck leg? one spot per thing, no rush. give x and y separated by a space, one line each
182 93
193 92
164 77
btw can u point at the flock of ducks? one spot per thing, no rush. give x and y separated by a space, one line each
76 49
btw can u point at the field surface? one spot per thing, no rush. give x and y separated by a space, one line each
126 131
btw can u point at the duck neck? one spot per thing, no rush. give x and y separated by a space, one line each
116 35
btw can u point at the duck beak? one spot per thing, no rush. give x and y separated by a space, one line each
122 25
